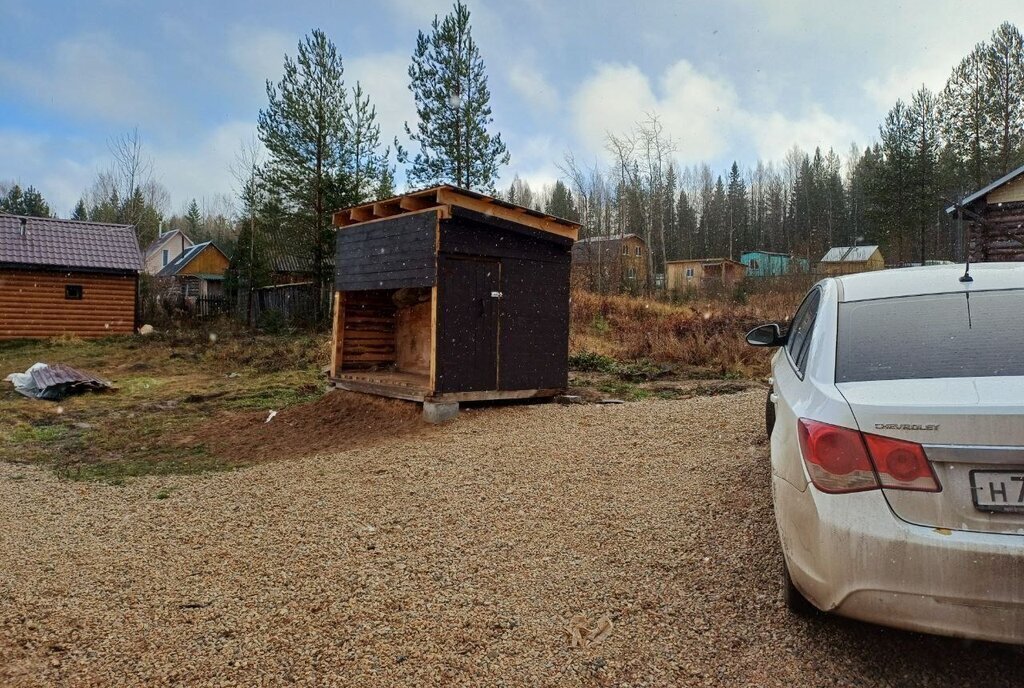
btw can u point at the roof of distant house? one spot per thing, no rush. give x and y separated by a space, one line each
848 254
160 240
704 261
984 191
766 253
607 237
176 265
52 243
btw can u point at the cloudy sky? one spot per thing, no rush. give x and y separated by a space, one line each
731 79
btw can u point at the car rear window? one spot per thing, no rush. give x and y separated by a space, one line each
938 335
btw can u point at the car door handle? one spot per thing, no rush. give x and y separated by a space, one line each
773 397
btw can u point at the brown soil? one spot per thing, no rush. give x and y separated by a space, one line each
337 421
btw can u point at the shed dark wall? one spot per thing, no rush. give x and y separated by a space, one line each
533 323
387 254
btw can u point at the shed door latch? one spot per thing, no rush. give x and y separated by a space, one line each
496 294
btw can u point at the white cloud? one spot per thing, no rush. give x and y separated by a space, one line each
697 110
202 170
703 114
904 83
90 74
773 133
259 53
533 88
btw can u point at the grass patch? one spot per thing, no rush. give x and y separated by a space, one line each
168 385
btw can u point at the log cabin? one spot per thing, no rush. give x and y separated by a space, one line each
65 277
994 219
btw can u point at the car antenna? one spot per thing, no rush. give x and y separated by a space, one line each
966 277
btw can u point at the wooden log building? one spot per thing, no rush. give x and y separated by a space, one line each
994 219
446 295
64 277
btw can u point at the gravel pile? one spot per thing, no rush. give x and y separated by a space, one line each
627 545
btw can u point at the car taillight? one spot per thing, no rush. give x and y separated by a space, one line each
836 458
843 460
901 465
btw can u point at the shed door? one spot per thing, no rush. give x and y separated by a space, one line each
468 304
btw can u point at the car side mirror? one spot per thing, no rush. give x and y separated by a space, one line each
767 335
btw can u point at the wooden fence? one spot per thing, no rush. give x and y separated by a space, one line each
293 304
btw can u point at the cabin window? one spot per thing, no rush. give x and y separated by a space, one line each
639 251
625 250
689 273
167 255
631 273
754 265
73 292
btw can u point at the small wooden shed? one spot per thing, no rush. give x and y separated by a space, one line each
65 277
702 273
446 295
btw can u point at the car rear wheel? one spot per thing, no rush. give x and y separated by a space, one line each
769 414
794 599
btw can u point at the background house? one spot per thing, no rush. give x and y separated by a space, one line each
994 216
616 260
844 260
64 277
196 273
772 264
164 250
703 273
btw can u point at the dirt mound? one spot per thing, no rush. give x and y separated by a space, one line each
339 420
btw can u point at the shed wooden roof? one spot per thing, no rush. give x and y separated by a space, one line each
446 196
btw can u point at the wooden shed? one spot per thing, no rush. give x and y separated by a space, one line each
446 295
62 277
703 273
994 216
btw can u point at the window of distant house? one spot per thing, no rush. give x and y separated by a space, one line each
689 272
639 251
625 250
632 273
73 292
754 265
167 255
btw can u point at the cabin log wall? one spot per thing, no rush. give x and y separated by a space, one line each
32 304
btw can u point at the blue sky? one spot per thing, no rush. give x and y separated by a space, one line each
730 79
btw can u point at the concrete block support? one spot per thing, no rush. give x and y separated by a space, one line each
439 412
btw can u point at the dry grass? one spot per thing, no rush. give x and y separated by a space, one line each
705 334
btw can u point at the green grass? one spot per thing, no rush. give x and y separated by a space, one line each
25 434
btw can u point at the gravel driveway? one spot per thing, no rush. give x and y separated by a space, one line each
455 555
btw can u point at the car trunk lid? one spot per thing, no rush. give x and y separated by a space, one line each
973 435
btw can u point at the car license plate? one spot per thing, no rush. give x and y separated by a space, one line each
998 490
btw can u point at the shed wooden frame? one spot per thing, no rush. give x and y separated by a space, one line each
484 291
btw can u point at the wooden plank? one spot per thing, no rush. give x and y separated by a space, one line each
495 395
337 335
380 390
450 197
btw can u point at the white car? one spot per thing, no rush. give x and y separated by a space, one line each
896 418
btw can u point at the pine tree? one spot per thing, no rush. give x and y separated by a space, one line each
303 130
80 212
892 197
925 197
368 164
561 204
737 209
449 85
28 201
1004 66
193 220
687 223
965 118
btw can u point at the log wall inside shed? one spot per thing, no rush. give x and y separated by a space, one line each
33 304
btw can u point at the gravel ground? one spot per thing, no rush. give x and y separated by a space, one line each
454 556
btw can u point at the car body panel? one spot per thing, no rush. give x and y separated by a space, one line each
939 565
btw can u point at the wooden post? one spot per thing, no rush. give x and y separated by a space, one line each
338 334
